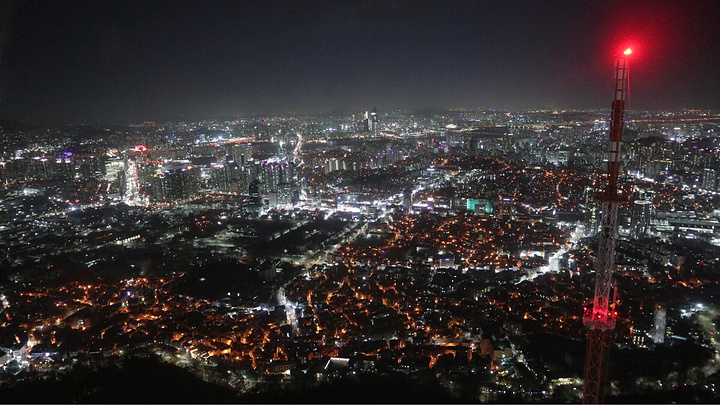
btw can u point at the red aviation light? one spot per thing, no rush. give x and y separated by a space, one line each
627 51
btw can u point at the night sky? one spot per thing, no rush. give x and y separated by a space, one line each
98 61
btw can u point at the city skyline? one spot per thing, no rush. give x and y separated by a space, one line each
89 62
289 257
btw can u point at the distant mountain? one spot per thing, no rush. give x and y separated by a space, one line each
15 126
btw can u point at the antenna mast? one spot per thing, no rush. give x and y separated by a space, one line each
600 319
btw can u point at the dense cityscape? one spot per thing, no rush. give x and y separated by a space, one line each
452 249
367 201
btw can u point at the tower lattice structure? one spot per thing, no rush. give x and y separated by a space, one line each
600 319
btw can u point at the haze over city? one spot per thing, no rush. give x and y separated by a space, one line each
80 61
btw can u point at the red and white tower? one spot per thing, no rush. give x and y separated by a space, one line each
600 319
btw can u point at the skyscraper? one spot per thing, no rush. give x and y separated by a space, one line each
658 334
178 181
373 121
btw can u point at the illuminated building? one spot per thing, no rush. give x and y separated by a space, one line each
373 121
272 173
642 213
709 179
658 334
368 122
178 181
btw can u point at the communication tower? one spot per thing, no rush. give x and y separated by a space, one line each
600 319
